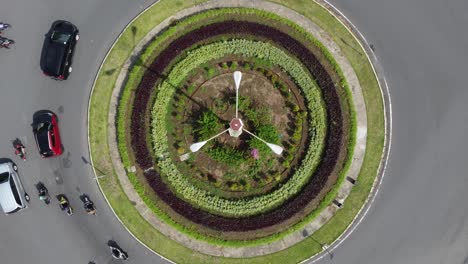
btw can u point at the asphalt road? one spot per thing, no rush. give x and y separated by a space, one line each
420 214
43 234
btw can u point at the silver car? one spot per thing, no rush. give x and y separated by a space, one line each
12 195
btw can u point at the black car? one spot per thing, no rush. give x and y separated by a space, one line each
57 51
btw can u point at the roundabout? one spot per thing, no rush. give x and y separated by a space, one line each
419 45
166 115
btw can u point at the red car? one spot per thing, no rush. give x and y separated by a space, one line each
46 134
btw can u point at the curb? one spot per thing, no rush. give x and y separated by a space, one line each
388 129
87 123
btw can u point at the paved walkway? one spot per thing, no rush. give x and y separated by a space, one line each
325 215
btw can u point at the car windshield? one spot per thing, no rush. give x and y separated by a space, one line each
60 37
4 177
43 126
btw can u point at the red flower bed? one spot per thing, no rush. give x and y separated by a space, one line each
333 137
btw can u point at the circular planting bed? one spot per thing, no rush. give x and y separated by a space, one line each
288 97
237 195
239 167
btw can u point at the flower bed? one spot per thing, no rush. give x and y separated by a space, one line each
333 139
203 199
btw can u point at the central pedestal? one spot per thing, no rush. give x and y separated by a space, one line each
235 127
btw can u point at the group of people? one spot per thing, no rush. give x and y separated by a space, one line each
63 201
64 204
5 42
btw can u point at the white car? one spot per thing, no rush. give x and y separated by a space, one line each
12 194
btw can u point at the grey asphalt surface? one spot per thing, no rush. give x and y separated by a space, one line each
420 214
43 234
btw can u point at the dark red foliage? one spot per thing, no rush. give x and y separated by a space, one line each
333 137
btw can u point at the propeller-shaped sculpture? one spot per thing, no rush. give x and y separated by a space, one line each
236 126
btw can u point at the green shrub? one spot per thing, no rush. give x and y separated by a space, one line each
226 155
258 116
295 108
207 126
269 133
210 72
245 103
191 88
234 65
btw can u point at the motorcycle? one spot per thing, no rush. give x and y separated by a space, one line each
88 205
20 149
118 253
5 42
43 193
64 204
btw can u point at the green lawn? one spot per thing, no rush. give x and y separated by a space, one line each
99 107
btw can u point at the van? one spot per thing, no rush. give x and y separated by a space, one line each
12 195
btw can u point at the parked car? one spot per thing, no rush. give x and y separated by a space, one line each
46 133
12 194
58 48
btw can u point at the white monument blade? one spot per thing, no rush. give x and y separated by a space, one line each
237 80
197 146
275 148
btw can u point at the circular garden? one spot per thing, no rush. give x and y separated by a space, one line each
291 95
234 191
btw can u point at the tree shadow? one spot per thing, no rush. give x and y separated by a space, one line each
85 161
134 31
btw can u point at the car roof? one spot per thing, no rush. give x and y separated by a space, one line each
42 137
53 54
53 57
7 198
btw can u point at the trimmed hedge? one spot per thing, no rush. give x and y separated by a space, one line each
202 198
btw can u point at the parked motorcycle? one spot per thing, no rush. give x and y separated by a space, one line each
20 149
5 42
88 205
64 204
43 192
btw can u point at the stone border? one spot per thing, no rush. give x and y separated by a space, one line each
290 239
